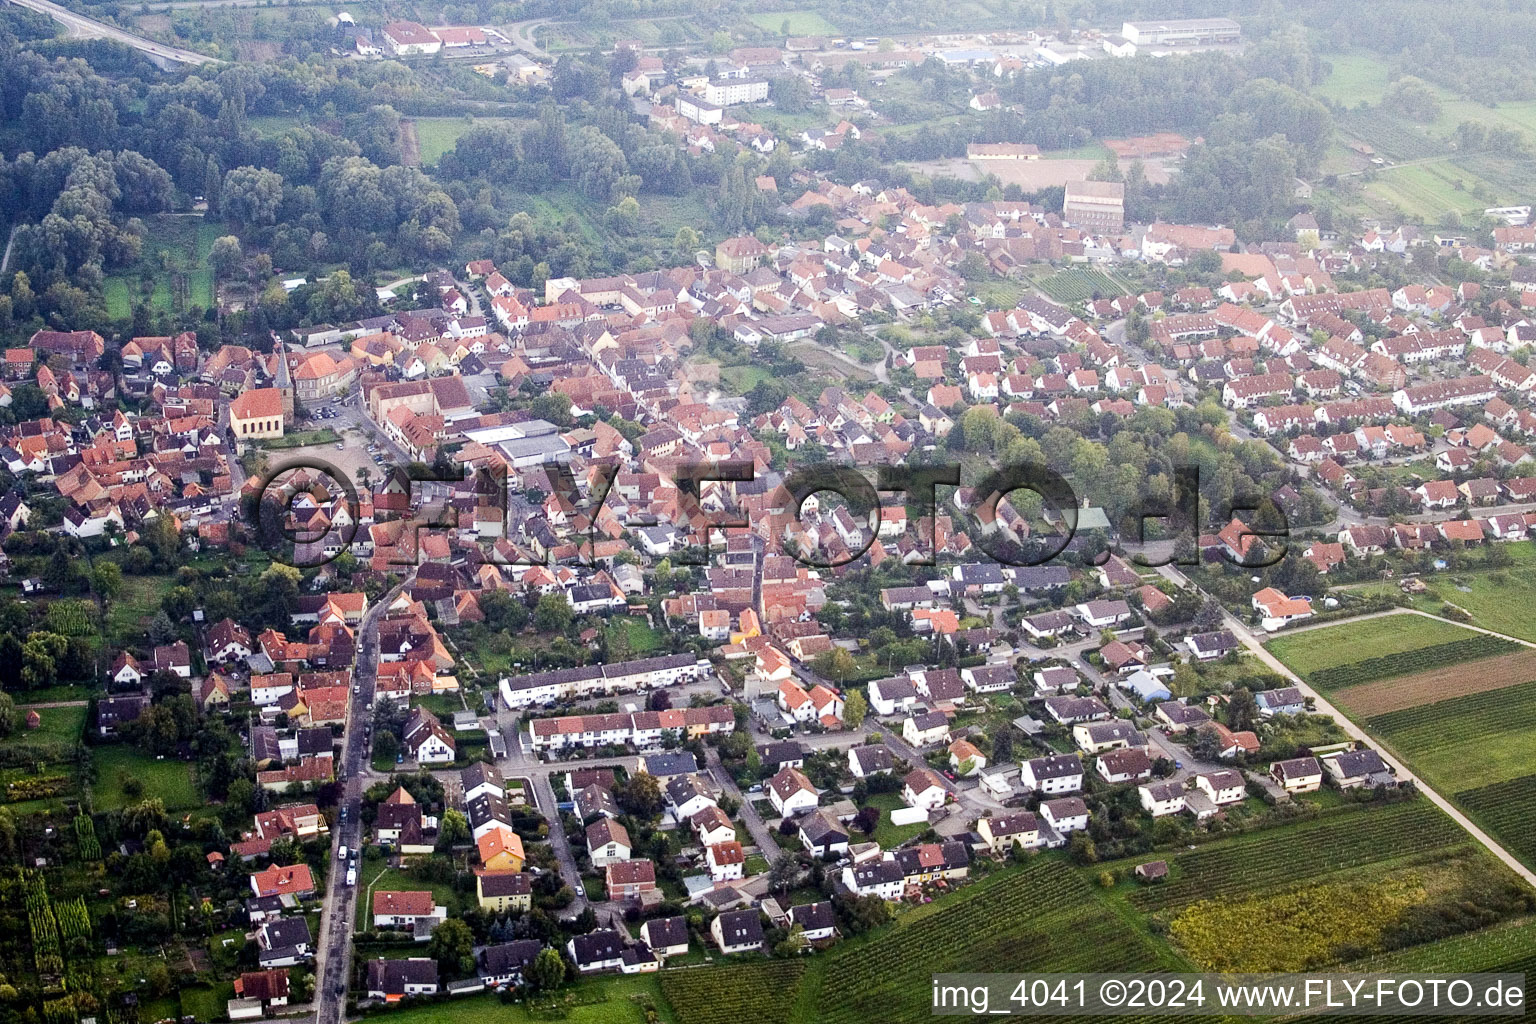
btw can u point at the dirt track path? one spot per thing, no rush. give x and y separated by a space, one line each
410 145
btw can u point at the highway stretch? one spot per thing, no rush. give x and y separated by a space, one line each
90 28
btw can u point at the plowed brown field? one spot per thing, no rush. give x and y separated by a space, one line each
1383 695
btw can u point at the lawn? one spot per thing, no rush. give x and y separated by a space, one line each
170 780
60 725
742 379
302 439
890 836
630 637
1356 78
800 23
616 999
136 603
393 879
175 250
438 135
1332 646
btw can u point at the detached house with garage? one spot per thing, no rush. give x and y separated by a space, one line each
1298 775
1285 701
871 759
922 730
1058 773
791 792
1065 814
607 842
1004 831
1130 764
413 912
737 931
923 788
393 980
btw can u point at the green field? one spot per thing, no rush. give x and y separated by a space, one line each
890 836
801 23
1043 916
1457 652
631 637
1075 285
438 135
1313 650
136 603
1465 742
170 780
1429 190
618 999
184 243
1356 78
302 439
60 725
1311 849
1500 601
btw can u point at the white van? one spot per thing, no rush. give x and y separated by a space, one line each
341 854
351 876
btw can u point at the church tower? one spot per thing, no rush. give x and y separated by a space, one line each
283 381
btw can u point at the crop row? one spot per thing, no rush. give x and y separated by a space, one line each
1508 809
1404 662
1391 135
85 838
762 993
74 919
1071 286
1043 917
1264 860
1447 722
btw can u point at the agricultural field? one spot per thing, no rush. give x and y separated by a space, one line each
1314 650
573 35
1075 285
1338 840
1500 601
1394 138
1450 680
1433 188
1471 648
618 999
1465 742
1356 78
172 272
763 992
1043 916
800 23
1506 809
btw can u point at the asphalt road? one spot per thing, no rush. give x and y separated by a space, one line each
1246 637
89 28
334 958
560 843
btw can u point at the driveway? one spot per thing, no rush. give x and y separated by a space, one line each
756 826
